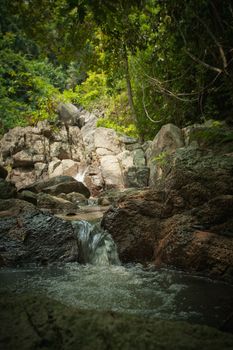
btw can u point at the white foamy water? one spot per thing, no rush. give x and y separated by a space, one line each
81 175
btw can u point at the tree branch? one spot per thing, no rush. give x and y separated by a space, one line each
196 59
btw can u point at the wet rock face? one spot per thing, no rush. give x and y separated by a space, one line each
187 220
30 236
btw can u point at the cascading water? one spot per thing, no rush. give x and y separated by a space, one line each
102 283
96 245
81 175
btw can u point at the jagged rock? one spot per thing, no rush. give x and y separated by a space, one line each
105 138
134 225
59 184
23 159
63 167
94 179
126 160
28 150
23 177
166 142
30 236
111 172
187 222
7 189
3 172
88 131
168 139
137 176
44 151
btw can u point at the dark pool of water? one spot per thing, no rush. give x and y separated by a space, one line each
162 294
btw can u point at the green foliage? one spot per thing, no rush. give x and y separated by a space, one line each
161 159
92 93
129 130
212 134
139 63
29 89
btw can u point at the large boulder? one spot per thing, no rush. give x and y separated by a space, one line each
168 139
137 176
63 167
29 151
55 204
134 225
68 113
88 131
111 172
59 184
186 222
166 142
30 236
107 140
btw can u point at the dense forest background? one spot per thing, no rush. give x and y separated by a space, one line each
138 64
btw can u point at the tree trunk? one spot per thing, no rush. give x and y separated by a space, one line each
129 87
130 94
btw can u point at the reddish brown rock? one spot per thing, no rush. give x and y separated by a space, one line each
186 223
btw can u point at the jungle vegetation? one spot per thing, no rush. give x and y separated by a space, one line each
138 64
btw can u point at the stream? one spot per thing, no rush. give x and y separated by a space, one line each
102 283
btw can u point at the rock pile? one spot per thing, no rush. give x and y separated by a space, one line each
75 147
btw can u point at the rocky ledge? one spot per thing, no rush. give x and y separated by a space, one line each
40 323
185 220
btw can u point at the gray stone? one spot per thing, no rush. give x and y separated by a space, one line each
166 142
56 204
59 184
138 157
23 159
68 113
74 197
111 172
63 167
108 139
133 146
31 236
137 177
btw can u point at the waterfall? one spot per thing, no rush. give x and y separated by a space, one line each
81 175
96 245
